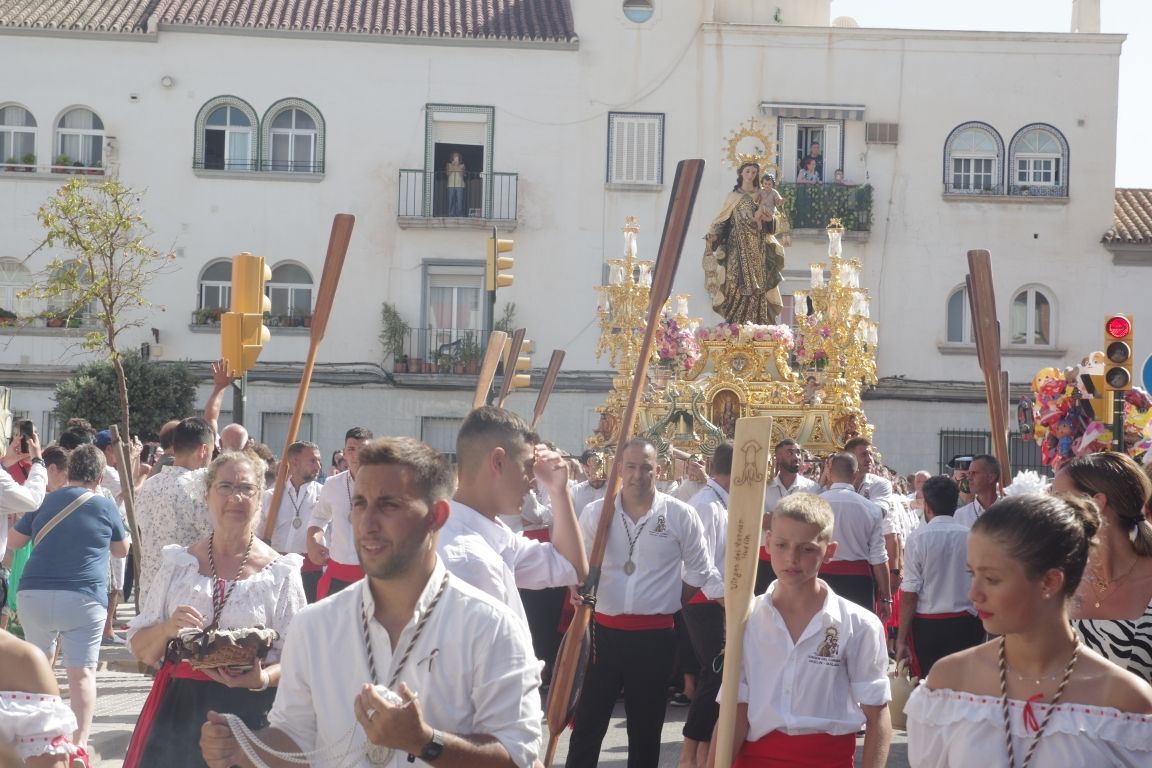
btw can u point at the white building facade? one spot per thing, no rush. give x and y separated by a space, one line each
248 134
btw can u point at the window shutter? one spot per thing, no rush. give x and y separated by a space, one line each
788 152
635 148
832 150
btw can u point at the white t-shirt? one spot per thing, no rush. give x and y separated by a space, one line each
297 504
333 513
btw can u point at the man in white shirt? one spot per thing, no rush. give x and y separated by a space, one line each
461 663
498 456
170 507
704 617
301 494
654 560
333 515
984 484
787 481
592 489
936 617
861 561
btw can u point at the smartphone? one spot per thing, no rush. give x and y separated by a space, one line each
27 430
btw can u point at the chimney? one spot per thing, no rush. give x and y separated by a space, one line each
1086 16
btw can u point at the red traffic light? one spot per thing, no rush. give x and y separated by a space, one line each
1118 326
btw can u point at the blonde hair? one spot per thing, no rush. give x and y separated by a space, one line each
807 508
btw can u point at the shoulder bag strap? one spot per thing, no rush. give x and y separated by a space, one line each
59 518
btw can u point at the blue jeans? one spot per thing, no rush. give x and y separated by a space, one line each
75 617
455 201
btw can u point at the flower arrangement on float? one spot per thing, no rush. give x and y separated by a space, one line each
676 346
748 332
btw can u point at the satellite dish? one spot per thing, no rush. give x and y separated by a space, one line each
847 22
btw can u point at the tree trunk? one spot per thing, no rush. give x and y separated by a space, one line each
128 477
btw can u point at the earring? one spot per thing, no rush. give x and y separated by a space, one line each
1047 595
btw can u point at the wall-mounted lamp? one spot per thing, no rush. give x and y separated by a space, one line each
167 81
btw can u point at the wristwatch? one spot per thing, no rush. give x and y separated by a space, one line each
37 460
434 748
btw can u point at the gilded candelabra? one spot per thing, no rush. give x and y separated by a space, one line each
835 332
623 309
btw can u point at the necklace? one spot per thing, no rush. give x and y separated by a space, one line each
1029 717
340 753
219 595
630 564
296 522
1104 587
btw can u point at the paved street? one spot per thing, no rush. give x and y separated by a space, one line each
122 690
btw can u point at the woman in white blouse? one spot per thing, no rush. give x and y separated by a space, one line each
1035 695
231 580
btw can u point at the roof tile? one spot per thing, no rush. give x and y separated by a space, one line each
1132 222
78 15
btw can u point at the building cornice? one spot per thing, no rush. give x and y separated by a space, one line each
863 34
366 37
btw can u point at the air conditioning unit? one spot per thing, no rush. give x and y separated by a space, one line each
882 133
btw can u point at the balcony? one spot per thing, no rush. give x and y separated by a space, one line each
810 206
441 357
488 198
12 168
297 323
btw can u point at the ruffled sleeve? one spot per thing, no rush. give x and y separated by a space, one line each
173 559
290 598
36 724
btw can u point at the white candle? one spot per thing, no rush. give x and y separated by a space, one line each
817 275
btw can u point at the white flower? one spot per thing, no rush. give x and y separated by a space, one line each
1027 482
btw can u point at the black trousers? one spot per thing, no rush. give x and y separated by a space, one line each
639 662
934 639
859 589
311 581
543 607
705 622
764 576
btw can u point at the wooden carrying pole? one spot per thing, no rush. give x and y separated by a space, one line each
547 386
496 341
127 474
982 301
752 449
513 348
560 700
338 241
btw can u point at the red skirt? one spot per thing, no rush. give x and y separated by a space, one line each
813 750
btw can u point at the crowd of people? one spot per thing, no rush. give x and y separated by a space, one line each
404 609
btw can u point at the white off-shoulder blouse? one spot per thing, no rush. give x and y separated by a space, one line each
268 598
36 724
961 730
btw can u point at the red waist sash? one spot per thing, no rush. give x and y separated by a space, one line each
537 534
847 568
810 750
339 571
632 621
700 599
168 672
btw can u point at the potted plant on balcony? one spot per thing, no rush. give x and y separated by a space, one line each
10 165
62 164
55 318
74 322
470 353
7 317
394 338
29 161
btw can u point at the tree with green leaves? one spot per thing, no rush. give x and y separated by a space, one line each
158 392
101 266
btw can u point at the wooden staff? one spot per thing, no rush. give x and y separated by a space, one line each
982 301
546 387
752 449
496 341
513 348
127 476
561 701
338 241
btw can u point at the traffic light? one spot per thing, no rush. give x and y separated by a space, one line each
497 263
242 331
1118 353
523 363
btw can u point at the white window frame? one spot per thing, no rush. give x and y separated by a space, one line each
635 149
457 277
1026 337
967 334
91 153
223 288
962 162
296 294
314 164
232 163
274 427
14 278
10 132
831 146
229 164
1029 163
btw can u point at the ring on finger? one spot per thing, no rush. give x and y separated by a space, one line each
371 713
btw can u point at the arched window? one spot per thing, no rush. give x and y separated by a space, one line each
290 291
79 139
638 11
959 320
294 137
226 135
17 136
1039 162
1032 317
973 160
14 278
216 285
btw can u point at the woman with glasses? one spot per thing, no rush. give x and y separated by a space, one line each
1112 610
228 581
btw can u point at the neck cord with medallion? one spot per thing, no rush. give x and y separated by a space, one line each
342 752
630 564
296 523
219 595
1029 716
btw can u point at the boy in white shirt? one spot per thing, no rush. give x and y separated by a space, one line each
815 664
